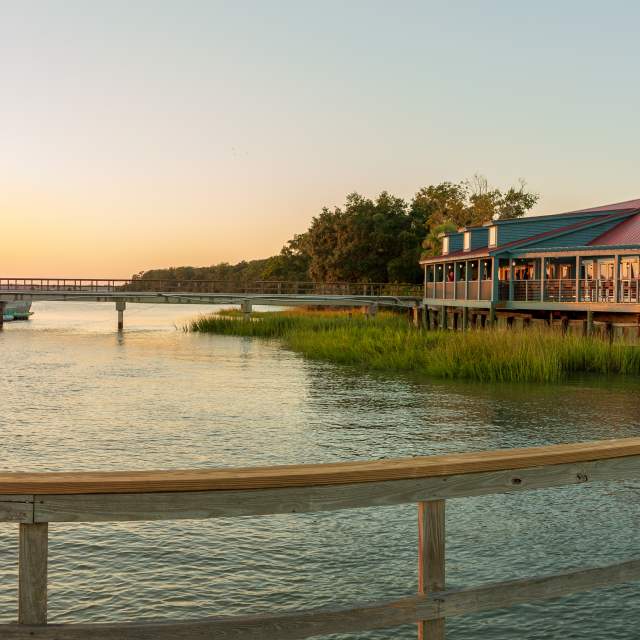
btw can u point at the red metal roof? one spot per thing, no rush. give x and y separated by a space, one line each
627 232
628 205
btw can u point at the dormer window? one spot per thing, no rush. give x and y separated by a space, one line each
445 245
467 240
493 236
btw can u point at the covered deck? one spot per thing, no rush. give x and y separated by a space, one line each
579 280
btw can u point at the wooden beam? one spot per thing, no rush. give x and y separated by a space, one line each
431 562
32 587
320 622
310 475
219 504
16 508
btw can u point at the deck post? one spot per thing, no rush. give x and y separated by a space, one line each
121 305
431 561
465 318
415 315
32 581
543 275
616 278
589 322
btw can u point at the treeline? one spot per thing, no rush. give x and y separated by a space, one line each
372 240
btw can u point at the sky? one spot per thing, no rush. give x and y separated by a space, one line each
145 134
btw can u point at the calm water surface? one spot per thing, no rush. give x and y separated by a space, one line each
76 396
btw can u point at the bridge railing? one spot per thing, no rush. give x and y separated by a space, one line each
35 499
257 287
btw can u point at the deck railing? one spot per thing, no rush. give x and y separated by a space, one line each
460 290
548 290
35 499
257 287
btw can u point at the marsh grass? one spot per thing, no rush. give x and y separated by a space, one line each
389 343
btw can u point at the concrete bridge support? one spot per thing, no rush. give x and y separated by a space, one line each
246 308
3 306
371 311
121 305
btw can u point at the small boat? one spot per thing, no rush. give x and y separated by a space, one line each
19 310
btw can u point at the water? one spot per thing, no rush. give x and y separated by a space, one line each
74 395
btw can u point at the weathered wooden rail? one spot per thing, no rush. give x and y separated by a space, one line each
36 499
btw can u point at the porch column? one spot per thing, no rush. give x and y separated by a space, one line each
479 278
512 274
455 281
577 278
616 278
495 282
543 276
466 280
425 281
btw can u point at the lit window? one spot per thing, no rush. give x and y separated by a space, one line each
493 236
467 240
445 245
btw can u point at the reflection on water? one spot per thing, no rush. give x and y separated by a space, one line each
76 396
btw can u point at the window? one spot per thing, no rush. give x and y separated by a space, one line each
445 245
493 236
467 240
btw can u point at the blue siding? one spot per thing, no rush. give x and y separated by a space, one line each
479 237
523 228
579 238
455 242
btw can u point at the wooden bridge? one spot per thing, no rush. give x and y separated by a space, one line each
246 294
36 499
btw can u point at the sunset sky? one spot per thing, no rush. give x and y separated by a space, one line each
145 134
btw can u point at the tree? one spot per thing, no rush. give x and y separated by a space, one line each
366 240
465 204
292 263
433 242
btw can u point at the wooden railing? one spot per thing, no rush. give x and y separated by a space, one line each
35 499
257 287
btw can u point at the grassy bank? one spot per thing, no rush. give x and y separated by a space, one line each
389 343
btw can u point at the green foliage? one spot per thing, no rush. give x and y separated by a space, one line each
245 271
366 240
292 263
449 206
389 343
371 240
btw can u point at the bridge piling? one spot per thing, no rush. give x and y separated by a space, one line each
246 308
3 306
121 305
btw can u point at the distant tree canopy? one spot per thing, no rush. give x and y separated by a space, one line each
369 240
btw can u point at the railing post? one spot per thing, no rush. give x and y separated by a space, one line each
32 587
431 561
